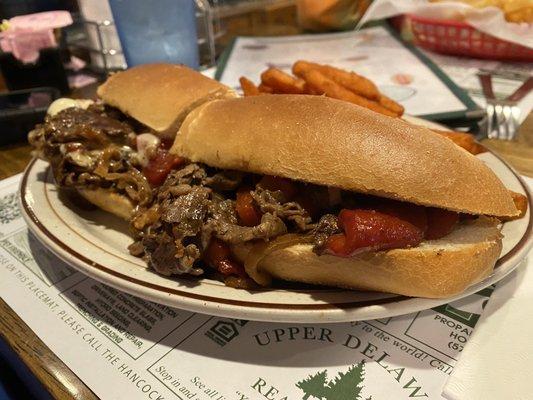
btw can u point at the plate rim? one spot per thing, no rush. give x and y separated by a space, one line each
260 311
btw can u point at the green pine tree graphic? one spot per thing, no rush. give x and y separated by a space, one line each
345 386
314 385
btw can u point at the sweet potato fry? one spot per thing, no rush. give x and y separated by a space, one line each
387 102
319 83
464 140
350 80
248 87
282 82
265 88
309 90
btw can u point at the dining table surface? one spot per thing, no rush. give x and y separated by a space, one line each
53 374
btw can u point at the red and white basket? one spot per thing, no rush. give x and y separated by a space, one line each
459 38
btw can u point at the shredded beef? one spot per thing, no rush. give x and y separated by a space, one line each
270 227
327 226
191 174
181 181
225 180
220 211
92 129
195 204
92 148
136 249
169 257
272 203
187 212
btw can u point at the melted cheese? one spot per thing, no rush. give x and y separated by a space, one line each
147 143
64 103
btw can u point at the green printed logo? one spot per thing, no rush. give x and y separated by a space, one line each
224 331
345 386
468 318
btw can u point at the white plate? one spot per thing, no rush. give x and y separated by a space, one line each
95 242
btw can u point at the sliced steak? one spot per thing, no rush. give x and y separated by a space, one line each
271 202
187 213
327 226
225 180
92 148
270 227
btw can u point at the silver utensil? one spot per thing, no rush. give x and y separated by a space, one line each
502 115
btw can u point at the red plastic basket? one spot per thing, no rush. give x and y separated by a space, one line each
459 38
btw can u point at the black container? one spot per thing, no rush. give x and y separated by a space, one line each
47 71
21 110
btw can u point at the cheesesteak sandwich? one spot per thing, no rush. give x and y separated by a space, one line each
316 190
113 151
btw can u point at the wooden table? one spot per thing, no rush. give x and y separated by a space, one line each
518 153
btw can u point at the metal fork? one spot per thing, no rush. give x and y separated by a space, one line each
503 115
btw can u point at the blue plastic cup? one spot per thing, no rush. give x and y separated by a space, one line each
157 31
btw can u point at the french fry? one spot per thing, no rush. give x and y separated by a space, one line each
301 84
282 82
514 10
309 90
248 87
464 140
350 80
387 102
265 88
319 83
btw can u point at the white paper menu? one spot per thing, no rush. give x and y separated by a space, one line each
372 52
122 346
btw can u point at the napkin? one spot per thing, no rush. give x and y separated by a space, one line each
25 35
496 362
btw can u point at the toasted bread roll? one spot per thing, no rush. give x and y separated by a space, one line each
333 143
160 95
434 269
109 201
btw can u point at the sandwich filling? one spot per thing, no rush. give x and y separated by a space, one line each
95 146
203 220
197 220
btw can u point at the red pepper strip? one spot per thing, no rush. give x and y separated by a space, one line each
366 230
230 267
409 212
247 212
216 251
160 166
440 222
218 256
